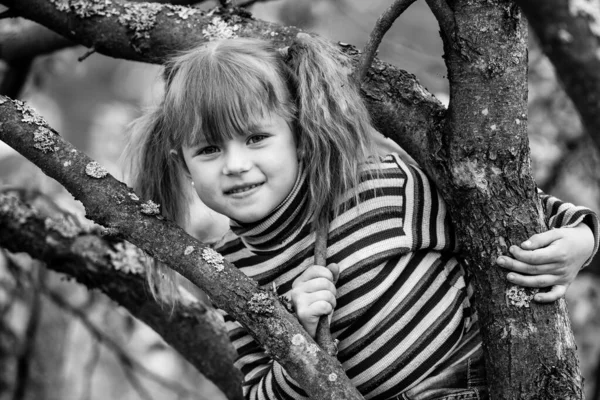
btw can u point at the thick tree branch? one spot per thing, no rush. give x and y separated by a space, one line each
382 25
116 268
569 34
113 205
144 31
26 39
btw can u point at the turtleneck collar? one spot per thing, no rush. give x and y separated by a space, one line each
285 223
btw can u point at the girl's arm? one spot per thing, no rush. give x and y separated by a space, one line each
264 378
312 295
553 258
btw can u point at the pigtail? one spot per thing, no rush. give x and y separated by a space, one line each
155 174
333 121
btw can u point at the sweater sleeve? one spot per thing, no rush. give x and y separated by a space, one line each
559 214
426 220
264 378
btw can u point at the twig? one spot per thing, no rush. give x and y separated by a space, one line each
445 17
87 54
383 24
114 347
323 334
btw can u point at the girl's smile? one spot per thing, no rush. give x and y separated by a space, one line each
240 191
248 176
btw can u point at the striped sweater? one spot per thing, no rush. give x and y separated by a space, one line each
403 312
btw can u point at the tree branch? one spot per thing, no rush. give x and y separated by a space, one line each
26 39
114 267
569 34
382 25
445 17
113 205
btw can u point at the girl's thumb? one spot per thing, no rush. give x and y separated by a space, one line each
335 270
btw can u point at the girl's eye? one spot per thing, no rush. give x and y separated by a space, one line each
256 138
208 150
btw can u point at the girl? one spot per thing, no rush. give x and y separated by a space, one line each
279 149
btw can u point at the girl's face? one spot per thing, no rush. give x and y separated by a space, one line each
246 177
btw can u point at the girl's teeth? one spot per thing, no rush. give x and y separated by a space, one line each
244 189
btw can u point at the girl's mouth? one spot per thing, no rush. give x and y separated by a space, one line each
242 189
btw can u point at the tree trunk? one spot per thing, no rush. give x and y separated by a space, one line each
482 161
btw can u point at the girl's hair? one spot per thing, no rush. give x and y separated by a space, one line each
334 122
220 88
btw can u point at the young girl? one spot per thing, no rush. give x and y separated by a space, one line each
278 149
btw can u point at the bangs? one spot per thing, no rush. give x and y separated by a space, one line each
219 92
231 108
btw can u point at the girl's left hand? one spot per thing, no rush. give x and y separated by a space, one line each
552 258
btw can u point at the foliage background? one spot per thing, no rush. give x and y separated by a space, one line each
91 102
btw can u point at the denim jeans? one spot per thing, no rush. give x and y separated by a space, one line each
465 381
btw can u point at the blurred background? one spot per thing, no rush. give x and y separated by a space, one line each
59 341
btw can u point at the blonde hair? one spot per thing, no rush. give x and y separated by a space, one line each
218 89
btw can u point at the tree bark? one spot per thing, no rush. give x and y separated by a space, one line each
117 269
482 161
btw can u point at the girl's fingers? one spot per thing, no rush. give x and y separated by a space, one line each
540 240
523 267
545 255
313 304
535 281
335 271
554 294
312 286
313 272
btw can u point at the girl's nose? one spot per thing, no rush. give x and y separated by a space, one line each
237 161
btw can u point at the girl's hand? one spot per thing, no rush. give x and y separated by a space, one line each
552 258
313 294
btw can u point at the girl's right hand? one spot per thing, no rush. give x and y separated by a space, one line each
313 295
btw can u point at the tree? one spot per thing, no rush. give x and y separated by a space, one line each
476 151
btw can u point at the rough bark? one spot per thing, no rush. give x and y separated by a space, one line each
26 39
569 33
113 205
117 269
482 161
